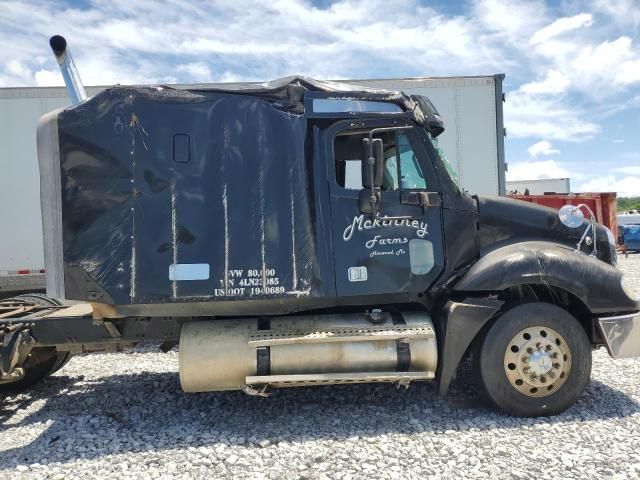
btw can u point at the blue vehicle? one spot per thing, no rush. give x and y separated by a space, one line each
631 237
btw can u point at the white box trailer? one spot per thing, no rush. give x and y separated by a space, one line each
539 186
473 142
21 247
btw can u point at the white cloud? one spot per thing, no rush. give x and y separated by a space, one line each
625 187
591 67
545 117
628 73
535 170
554 82
14 72
198 71
16 68
622 12
228 76
514 20
49 78
138 42
543 147
590 60
618 140
600 65
629 170
562 25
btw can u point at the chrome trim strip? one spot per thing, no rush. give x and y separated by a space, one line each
51 201
620 317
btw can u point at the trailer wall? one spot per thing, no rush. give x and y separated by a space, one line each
21 244
539 187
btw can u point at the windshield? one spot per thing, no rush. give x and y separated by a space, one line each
450 170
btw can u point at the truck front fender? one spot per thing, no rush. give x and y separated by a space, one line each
596 283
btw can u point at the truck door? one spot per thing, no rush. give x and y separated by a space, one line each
399 250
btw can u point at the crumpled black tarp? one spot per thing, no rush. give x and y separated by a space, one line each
290 90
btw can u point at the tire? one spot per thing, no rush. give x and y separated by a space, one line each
62 358
34 374
537 376
37 299
47 364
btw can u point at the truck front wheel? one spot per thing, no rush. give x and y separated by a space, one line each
535 360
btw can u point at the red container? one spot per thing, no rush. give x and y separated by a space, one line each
603 205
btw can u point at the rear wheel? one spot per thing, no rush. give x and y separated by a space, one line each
45 365
535 360
41 363
39 299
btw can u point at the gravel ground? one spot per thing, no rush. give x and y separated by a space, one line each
124 415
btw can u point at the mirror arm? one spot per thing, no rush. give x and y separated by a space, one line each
371 164
386 129
592 227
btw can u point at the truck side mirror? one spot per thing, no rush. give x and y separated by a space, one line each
372 170
372 163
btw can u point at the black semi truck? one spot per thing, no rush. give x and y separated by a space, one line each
303 233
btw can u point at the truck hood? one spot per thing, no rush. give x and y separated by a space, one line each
503 221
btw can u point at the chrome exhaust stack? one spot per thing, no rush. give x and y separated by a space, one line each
68 68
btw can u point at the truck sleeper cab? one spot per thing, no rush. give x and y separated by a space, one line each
304 233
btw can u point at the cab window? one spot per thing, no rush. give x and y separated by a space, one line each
391 170
411 176
402 169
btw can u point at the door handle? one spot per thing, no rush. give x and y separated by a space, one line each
423 199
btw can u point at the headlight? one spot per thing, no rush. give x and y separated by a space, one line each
628 290
612 246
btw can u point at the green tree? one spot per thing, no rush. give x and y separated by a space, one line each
628 203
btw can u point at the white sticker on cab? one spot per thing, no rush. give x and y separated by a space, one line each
189 271
357 274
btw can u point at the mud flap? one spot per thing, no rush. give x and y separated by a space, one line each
461 322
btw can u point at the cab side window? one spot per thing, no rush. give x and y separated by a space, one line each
391 170
402 170
411 176
347 149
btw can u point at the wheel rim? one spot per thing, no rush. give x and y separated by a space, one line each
537 361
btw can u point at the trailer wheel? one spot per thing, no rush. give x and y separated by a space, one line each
535 360
46 364
42 300
35 298
36 372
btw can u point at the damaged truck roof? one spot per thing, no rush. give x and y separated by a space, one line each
289 93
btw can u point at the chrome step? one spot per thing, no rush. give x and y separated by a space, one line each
268 338
400 378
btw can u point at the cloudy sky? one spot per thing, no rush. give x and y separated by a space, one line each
572 67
